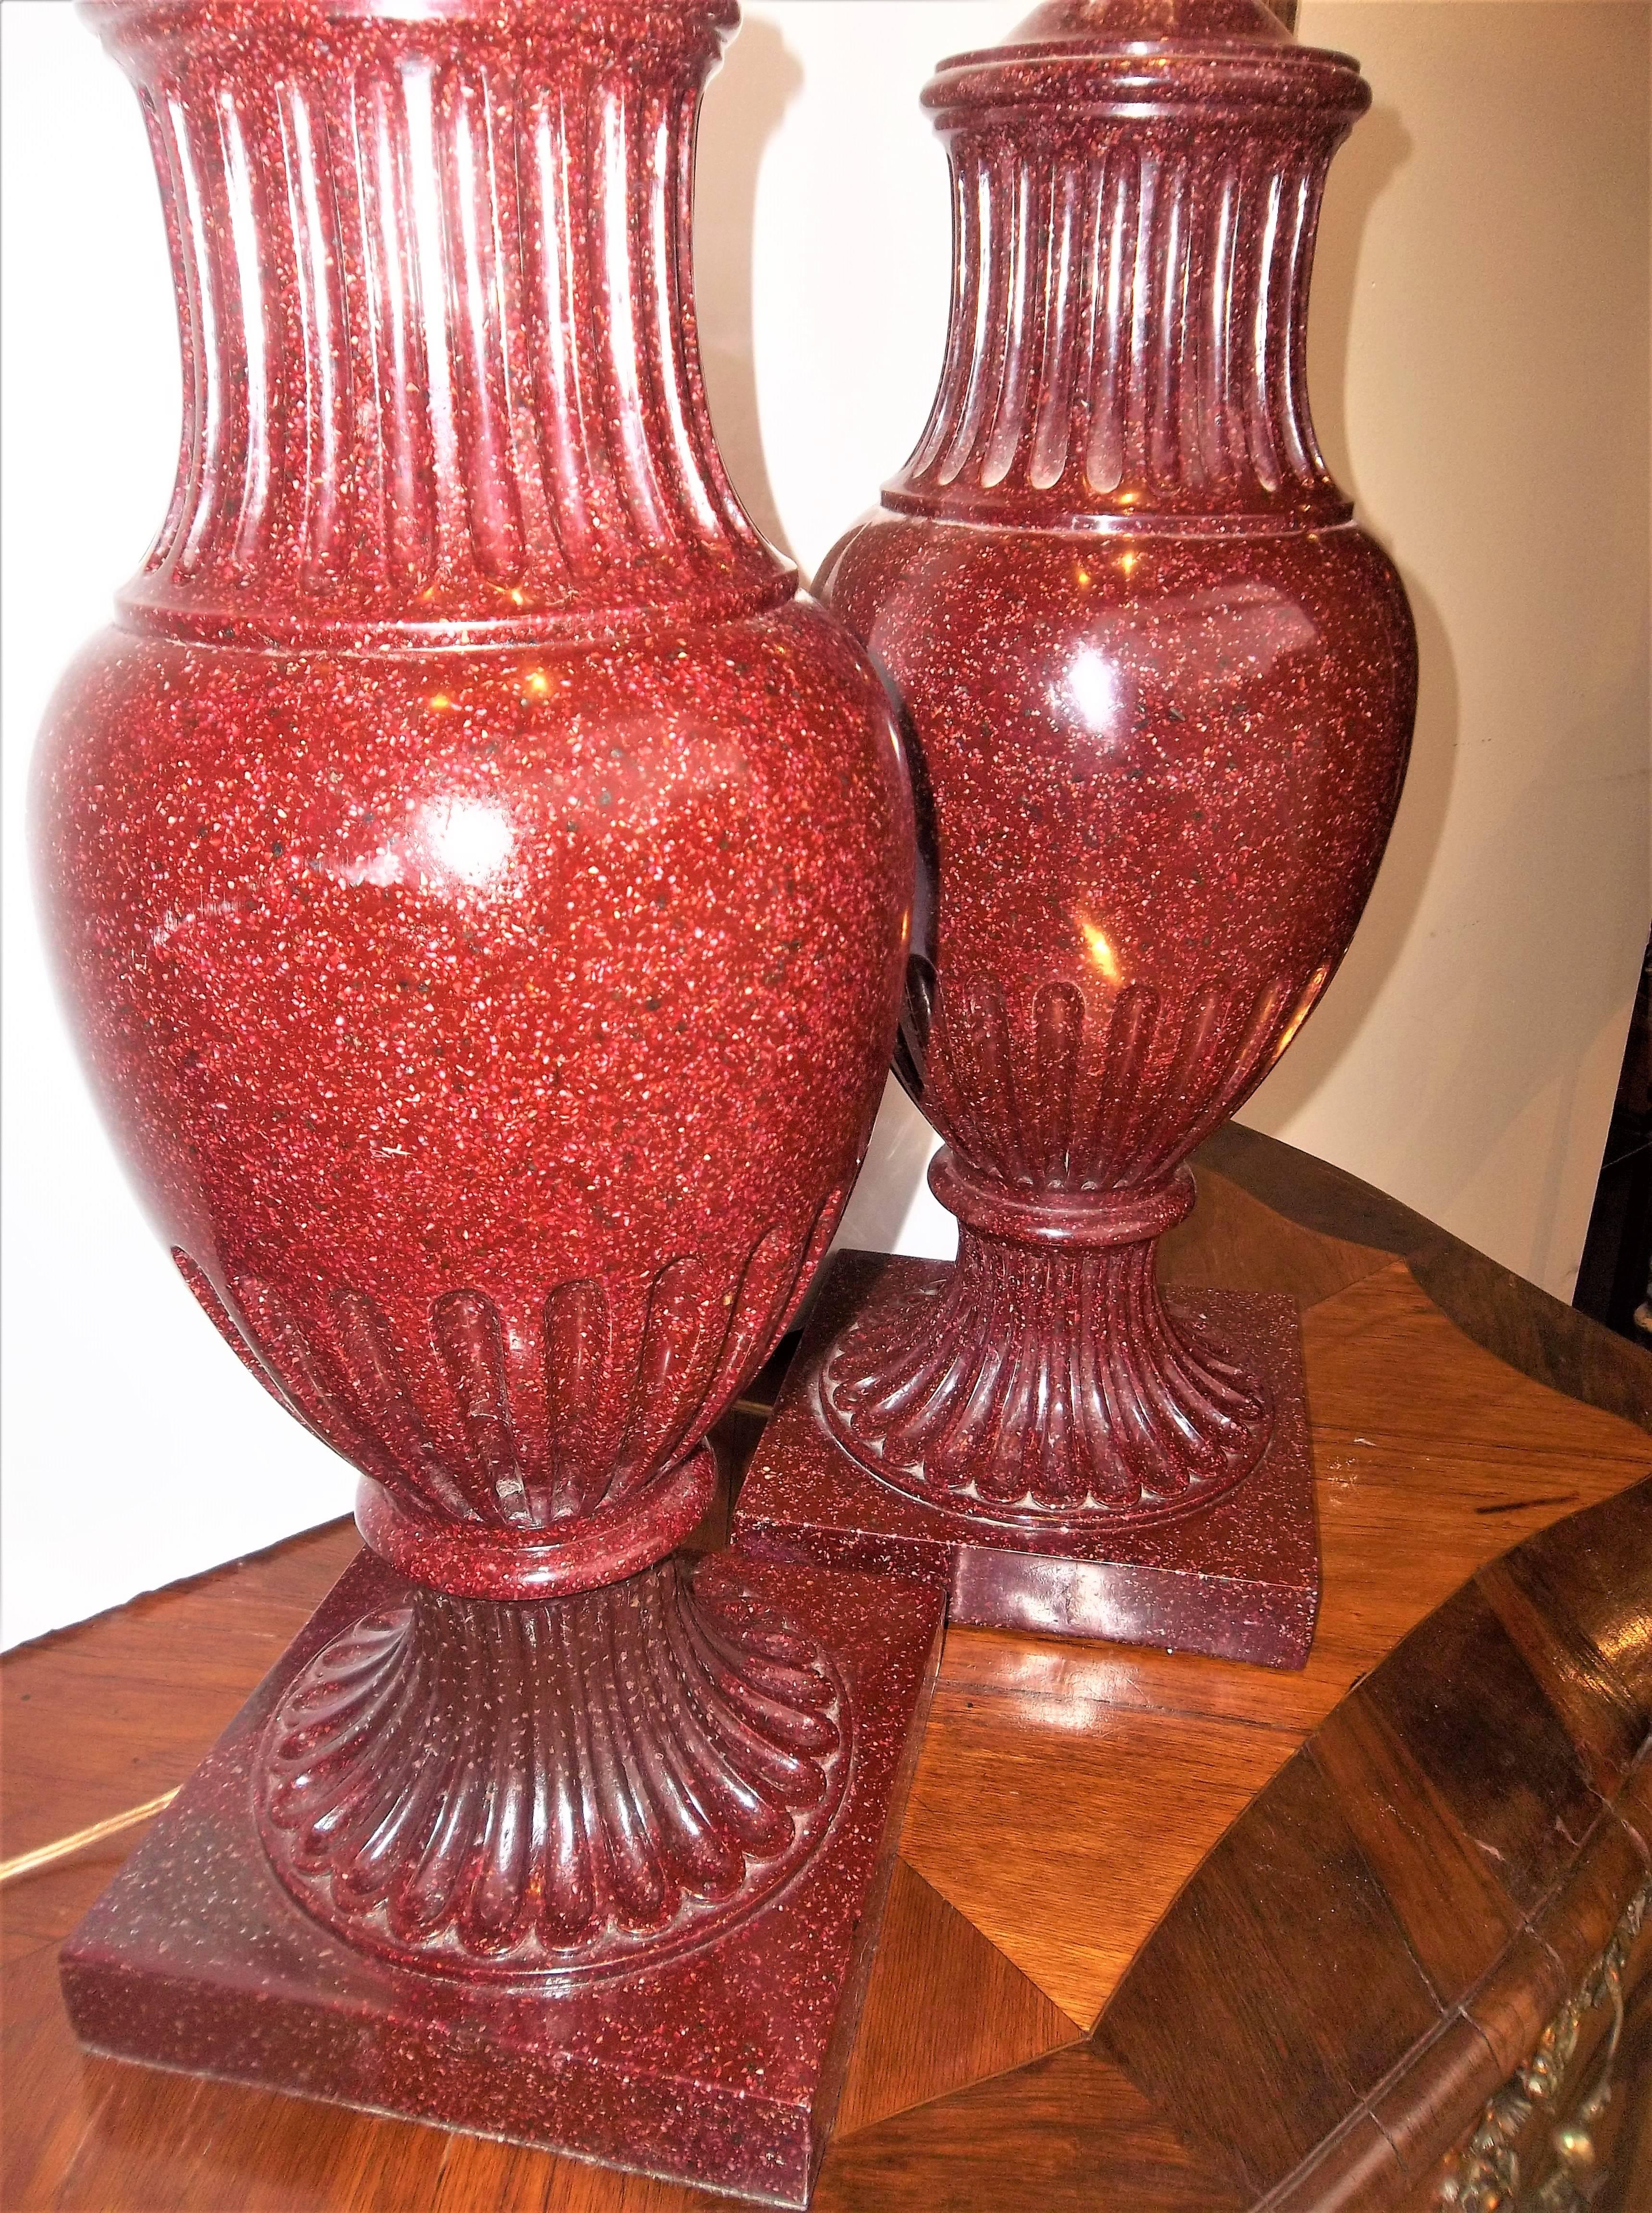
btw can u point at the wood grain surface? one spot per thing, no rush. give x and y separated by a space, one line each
1168 1931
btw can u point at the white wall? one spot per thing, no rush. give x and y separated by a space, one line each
1479 368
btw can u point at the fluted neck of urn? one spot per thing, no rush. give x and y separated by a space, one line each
434 270
1135 214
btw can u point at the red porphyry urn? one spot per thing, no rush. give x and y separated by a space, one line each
1160 691
480 885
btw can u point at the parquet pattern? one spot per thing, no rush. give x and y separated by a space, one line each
1166 1933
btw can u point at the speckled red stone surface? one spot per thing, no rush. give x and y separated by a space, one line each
480 885
1159 693
479 882
1238 1578
720 2064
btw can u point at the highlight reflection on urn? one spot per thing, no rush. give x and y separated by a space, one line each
480 884
1159 693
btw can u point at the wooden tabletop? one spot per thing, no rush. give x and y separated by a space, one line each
1166 1933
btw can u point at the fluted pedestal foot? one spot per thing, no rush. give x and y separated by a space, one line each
1043 1381
572 1789
973 1422
534 1870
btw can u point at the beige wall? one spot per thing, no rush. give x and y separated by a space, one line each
1478 366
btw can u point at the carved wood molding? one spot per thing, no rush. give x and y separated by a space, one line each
1487 2175
1475 1819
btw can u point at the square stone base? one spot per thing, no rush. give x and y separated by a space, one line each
721 2067
1238 1579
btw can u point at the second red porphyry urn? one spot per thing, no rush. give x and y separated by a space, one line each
480 884
1159 691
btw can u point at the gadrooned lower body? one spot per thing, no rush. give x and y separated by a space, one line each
1232 1572
1043 1380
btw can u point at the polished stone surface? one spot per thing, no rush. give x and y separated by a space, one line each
480 884
478 880
1237 1577
1158 691
717 2061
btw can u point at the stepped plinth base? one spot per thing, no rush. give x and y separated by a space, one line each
1238 1578
715 2062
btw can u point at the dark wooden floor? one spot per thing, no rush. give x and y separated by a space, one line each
1167 1932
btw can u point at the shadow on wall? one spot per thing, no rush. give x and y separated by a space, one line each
744 107
1378 148
1545 825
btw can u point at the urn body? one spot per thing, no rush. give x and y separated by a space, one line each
1158 692
480 884
478 881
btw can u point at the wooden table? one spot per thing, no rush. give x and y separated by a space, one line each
1166 1933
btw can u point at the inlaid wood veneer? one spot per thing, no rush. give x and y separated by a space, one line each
1168 1935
